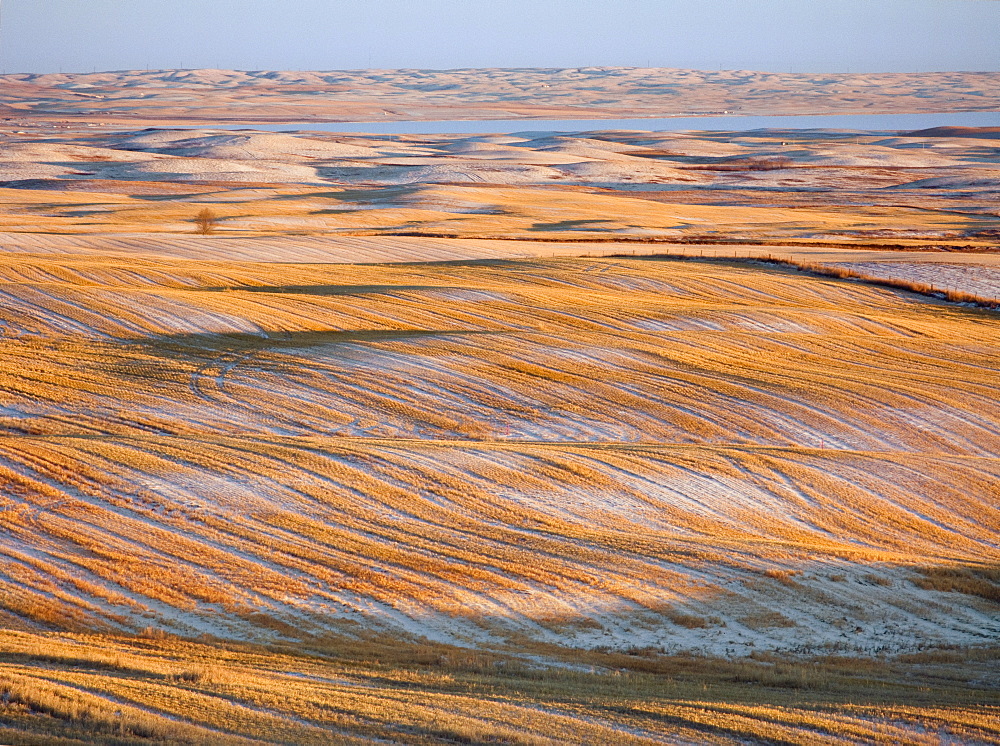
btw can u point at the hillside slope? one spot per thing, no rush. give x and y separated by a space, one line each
685 455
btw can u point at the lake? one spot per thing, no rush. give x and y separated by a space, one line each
885 122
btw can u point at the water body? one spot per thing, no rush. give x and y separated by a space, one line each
861 122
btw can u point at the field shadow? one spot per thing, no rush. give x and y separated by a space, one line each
277 340
319 289
563 225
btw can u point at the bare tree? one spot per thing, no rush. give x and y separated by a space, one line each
206 221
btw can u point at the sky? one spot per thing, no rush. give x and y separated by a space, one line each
772 35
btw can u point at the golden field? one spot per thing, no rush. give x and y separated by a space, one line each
75 689
528 490
534 438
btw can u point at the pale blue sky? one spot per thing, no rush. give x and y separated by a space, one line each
777 35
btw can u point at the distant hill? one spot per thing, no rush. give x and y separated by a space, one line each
989 133
548 93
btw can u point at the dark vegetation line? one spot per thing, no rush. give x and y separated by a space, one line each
686 240
842 273
913 286
922 288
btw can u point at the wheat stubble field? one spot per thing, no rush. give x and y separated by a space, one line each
521 439
616 499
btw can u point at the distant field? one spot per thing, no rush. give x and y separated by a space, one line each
368 95
802 188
